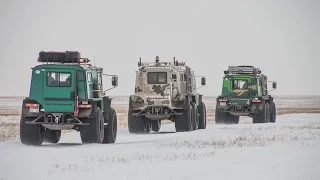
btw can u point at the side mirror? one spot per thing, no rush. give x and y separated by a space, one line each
274 85
114 81
203 81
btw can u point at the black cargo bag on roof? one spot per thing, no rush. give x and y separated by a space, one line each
62 57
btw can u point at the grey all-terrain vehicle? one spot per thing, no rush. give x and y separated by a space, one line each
165 91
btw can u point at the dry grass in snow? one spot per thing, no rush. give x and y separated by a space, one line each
10 113
256 137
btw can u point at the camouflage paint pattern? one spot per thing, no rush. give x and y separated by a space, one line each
156 94
240 95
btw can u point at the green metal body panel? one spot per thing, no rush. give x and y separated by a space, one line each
240 95
59 99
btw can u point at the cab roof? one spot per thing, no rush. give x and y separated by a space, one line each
64 60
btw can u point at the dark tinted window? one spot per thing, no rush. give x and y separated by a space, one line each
174 76
157 77
58 79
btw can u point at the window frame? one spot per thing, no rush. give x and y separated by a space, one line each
239 80
59 75
89 77
157 74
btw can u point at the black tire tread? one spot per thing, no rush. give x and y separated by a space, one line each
202 116
184 122
30 134
52 136
110 130
138 124
195 116
91 133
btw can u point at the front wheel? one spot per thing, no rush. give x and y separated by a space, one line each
156 125
52 136
221 117
234 119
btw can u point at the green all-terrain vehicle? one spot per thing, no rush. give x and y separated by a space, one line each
245 93
67 93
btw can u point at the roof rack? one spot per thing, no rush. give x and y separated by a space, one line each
61 57
242 70
157 63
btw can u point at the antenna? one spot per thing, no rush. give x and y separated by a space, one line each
139 63
157 61
94 60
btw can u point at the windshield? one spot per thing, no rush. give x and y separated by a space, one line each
157 77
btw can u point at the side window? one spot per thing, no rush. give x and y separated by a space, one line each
89 76
265 87
194 81
174 76
58 79
99 78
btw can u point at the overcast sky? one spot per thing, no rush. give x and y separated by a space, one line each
281 37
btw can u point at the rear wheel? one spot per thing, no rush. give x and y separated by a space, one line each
138 124
52 136
156 125
110 130
273 115
195 116
261 117
184 122
94 132
30 134
268 112
202 116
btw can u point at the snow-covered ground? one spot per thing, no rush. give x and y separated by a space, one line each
288 149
